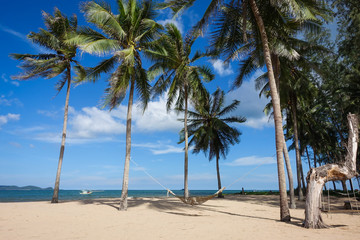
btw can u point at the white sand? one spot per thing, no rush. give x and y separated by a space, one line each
240 217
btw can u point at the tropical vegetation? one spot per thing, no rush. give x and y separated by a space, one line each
311 80
210 130
179 76
58 61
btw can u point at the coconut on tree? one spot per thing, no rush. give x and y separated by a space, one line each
57 61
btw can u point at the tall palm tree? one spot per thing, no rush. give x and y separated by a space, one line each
209 129
284 46
290 9
124 36
49 65
179 75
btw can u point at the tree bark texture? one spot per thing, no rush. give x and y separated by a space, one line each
55 198
308 157
125 186
284 207
343 184
218 175
297 149
290 177
317 177
276 67
351 185
186 160
302 180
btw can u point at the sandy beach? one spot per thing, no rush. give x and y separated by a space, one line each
235 217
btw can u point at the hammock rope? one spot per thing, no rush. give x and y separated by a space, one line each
198 199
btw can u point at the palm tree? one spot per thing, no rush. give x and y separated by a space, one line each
289 8
208 126
50 65
284 47
179 75
124 36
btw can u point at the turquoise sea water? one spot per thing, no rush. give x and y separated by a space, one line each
46 195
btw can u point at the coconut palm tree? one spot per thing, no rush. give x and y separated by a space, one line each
179 76
123 37
284 46
209 129
57 62
292 9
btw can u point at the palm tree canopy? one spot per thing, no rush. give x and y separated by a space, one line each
123 36
209 125
53 38
177 70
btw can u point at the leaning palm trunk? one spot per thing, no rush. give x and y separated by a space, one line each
317 177
297 149
55 198
218 175
290 176
186 161
125 186
284 207
276 67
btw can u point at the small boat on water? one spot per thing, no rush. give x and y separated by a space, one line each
86 192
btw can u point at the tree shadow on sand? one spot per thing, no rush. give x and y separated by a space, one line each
175 207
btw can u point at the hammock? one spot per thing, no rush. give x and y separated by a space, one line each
196 200
199 199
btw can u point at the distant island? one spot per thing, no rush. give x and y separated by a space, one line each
3 187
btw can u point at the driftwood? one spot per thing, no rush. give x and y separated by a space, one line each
317 177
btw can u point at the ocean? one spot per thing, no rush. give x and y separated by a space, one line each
66 195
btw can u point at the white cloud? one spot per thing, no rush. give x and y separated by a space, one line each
23 37
4 101
176 21
251 106
156 118
193 177
9 117
15 144
168 149
251 160
50 114
13 82
221 68
91 122
160 148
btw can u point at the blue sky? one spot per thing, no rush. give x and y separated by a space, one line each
31 116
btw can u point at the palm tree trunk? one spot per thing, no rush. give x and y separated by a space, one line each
55 197
218 175
125 185
315 161
334 185
284 207
303 179
276 67
343 183
308 157
186 184
297 150
290 177
351 185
